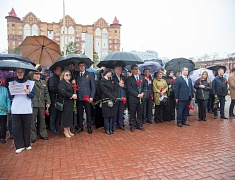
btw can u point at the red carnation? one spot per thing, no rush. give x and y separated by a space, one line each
75 86
47 112
138 83
86 98
161 90
191 107
151 96
215 107
199 80
172 80
124 100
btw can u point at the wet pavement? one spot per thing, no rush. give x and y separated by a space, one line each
204 150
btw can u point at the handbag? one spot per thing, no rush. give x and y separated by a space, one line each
163 100
59 106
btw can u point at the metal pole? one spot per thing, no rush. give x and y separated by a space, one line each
64 27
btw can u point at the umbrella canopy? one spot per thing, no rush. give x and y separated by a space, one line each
92 70
40 49
63 61
153 66
216 68
177 64
12 64
16 57
196 74
156 60
120 58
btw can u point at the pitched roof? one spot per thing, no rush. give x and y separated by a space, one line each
12 13
115 21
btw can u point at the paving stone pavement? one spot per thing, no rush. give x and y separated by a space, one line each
205 150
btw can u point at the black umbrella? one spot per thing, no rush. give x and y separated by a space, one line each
63 61
177 64
156 60
15 57
120 58
12 64
216 68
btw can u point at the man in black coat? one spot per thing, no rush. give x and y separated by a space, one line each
220 90
120 82
53 82
86 93
137 88
183 95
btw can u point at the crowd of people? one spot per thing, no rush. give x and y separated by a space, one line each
67 94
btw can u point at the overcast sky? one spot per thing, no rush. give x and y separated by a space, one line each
173 28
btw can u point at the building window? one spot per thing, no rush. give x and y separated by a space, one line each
20 27
115 31
104 34
20 32
115 37
110 36
42 33
115 41
110 41
20 42
77 44
13 25
57 39
77 39
26 30
42 28
57 34
34 30
71 30
13 31
19 37
98 32
13 43
62 30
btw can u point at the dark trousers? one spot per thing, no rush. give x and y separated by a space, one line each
182 112
80 109
222 104
210 103
108 123
54 120
136 108
3 126
202 104
9 119
148 109
231 107
119 115
21 130
158 115
99 120
39 116
171 108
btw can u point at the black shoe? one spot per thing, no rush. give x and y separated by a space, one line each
210 112
56 132
150 122
111 132
223 117
200 120
89 131
205 119
79 130
161 121
11 136
44 138
215 117
179 125
132 129
185 124
107 132
33 140
122 128
3 141
232 116
141 128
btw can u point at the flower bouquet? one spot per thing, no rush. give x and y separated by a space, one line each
216 102
138 83
75 89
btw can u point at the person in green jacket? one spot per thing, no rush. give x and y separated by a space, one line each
5 108
40 100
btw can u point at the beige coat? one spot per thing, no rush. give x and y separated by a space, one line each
231 81
157 85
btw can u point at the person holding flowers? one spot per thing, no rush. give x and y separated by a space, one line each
40 100
66 96
203 87
109 100
220 90
160 89
137 88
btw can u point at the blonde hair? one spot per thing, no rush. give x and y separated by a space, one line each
63 73
207 77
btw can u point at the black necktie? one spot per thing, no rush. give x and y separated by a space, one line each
81 75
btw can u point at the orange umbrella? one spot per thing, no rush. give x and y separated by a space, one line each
40 50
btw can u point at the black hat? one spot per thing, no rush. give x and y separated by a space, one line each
106 71
36 72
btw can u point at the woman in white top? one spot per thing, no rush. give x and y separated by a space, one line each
21 111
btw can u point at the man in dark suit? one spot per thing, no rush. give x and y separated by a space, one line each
86 90
120 81
183 95
137 88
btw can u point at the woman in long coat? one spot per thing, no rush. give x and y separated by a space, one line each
202 86
108 90
67 96
159 88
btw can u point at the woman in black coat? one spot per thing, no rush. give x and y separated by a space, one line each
108 90
67 96
202 86
169 109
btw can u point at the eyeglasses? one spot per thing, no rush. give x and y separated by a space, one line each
67 75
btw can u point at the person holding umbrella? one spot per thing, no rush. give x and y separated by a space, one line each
202 86
183 89
231 81
137 88
22 114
